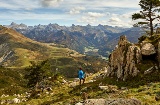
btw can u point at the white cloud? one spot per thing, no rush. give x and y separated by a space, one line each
114 20
88 20
95 14
121 21
51 3
85 11
116 3
92 18
76 10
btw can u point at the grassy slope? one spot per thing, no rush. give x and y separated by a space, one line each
63 94
145 93
143 88
27 50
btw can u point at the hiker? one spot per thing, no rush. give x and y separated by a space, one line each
81 76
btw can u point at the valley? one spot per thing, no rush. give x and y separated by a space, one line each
79 38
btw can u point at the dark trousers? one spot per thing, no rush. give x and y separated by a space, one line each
80 81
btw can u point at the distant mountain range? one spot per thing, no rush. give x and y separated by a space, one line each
92 40
18 51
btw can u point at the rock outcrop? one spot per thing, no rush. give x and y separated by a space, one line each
118 101
123 60
5 53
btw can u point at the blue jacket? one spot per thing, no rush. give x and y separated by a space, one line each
80 74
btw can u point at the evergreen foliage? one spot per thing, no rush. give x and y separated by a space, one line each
37 72
149 14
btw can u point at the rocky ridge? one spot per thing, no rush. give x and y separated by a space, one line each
124 60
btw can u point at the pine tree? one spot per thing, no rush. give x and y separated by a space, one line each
37 72
149 14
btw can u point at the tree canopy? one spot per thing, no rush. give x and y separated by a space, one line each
37 72
148 15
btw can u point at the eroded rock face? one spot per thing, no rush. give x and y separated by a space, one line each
123 60
148 49
5 53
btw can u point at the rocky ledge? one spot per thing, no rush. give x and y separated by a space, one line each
126 56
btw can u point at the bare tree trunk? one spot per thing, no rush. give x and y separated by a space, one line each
151 28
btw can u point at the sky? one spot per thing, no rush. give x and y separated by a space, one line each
68 12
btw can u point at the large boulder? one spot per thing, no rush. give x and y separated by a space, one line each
148 49
123 60
119 101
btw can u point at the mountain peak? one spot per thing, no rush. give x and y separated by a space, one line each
13 23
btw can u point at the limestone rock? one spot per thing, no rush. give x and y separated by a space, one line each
119 101
16 100
123 60
148 49
148 71
104 87
79 103
95 102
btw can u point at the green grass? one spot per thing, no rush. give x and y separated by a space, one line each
11 81
143 90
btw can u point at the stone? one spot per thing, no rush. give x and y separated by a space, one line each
64 81
148 49
119 101
3 102
49 89
95 102
123 60
104 87
156 67
79 103
122 101
90 81
124 88
16 100
148 71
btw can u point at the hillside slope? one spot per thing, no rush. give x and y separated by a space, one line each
18 50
